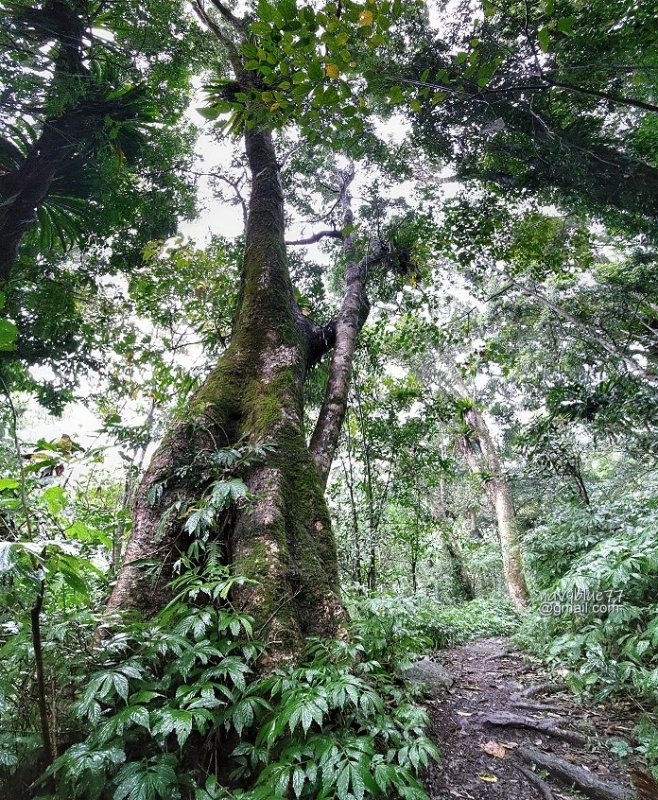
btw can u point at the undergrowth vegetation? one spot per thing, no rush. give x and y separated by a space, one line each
408 627
598 610
340 724
596 570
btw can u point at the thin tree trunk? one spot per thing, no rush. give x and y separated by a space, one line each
351 318
472 519
460 570
372 516
349 481
461 575
482 458
42 700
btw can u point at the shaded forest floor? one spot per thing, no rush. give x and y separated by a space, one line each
486 754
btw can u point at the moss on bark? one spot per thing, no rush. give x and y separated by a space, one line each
283 540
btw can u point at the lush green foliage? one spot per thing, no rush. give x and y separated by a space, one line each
336 725
599 615
526 291
404 629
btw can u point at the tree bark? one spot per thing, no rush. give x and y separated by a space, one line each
461 576
35 624
24 191
460 571
351 318
284 540
482 458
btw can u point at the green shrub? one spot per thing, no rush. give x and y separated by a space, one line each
171 694
406 628
607 631
599 618
476 619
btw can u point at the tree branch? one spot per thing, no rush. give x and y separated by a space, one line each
333 234
236 23
549 83
351 317
229 44
633 366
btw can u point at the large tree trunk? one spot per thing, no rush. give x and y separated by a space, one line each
284 539
482 458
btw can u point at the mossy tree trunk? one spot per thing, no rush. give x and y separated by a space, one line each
283 540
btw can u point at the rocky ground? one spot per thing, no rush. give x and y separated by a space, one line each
505 730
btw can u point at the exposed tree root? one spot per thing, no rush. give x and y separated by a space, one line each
542 787
545 726
572 775
528 705
540 688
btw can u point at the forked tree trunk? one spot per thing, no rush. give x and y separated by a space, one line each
283 540
482 458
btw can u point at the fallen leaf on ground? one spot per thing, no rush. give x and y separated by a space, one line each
488 777
465 713
494 749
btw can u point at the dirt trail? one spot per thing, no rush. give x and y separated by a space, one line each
487 755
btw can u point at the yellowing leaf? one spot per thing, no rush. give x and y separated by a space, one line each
274 106
487 777
366 18
331 71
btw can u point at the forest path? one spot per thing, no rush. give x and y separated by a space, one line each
487 755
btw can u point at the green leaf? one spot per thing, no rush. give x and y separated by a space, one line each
543 37
209 112
54 498
315 71
565 24
396 95
8 334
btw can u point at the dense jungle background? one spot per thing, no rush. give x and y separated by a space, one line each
328 347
